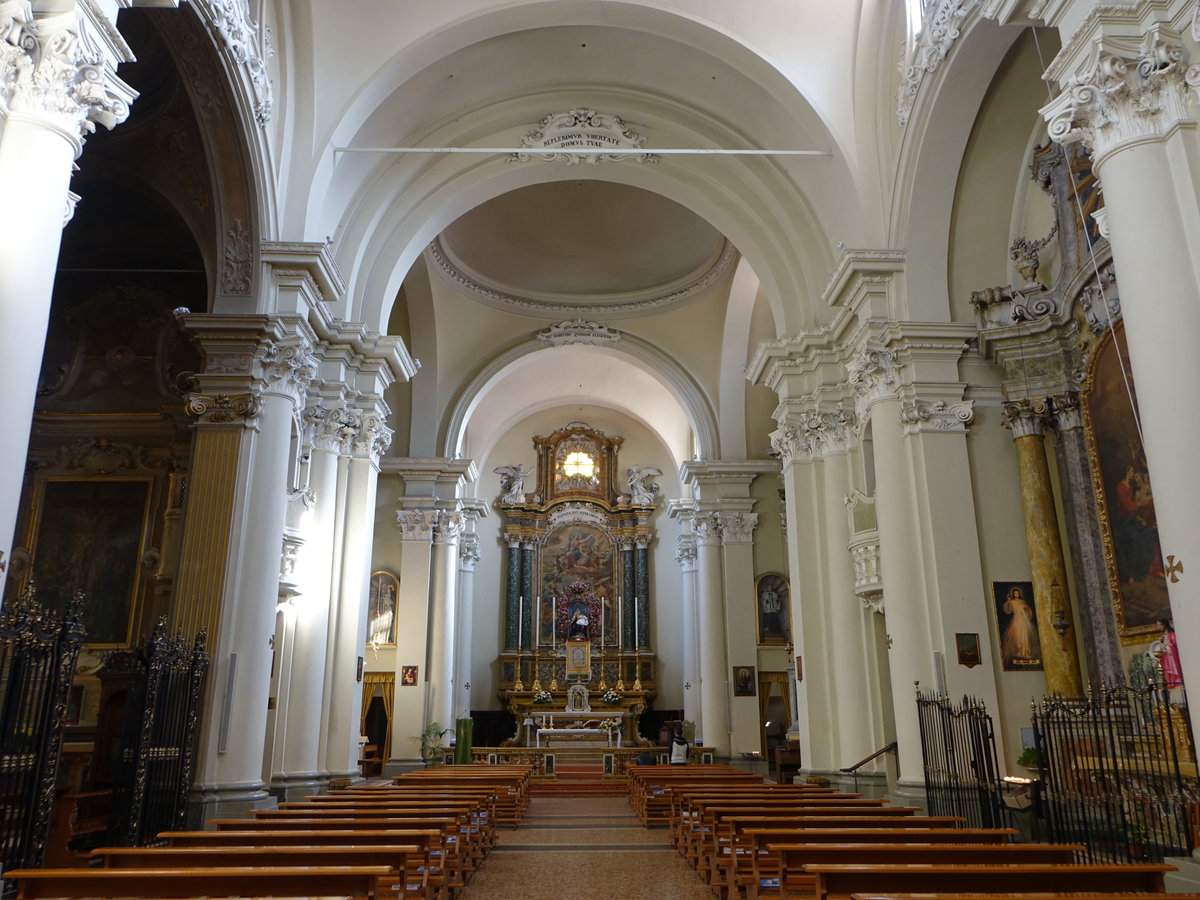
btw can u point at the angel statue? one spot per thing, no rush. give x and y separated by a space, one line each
512 483
641 489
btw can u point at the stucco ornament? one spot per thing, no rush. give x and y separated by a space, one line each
582 130
942 23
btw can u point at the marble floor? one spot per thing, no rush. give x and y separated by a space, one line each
589 848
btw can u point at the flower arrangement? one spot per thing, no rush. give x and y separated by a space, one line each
610 725
611 696
542 697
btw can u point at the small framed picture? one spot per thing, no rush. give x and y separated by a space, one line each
361 663
408 676
968 650
799 669
743 681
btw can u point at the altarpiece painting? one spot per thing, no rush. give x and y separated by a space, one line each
1122 482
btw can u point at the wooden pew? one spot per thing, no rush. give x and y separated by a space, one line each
1024 895
455 865
294 881
701 842
427 864
408 881
795 860
750 863
833 882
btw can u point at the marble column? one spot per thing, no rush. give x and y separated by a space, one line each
1093 595
641 557
366 439
57 83
527 582
252 510
443 616
714 667
1129 97
1060 661
512 595
628 596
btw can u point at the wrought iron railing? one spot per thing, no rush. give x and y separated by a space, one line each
958 748
38 650
158 748
1118 771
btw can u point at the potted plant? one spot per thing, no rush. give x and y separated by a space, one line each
431 742
1030 759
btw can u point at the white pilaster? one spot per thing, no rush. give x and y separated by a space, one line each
685 555
443 617
468 559
412 608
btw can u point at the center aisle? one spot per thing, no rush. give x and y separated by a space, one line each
585 848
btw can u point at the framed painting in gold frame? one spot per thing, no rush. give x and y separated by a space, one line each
90 534
1124 502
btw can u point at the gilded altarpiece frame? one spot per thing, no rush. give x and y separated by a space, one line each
577 539
1120 478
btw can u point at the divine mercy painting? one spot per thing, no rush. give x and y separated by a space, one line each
1016 621
1124 498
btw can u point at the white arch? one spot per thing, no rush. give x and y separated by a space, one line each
630 351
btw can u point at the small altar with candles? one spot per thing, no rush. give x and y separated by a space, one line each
577 591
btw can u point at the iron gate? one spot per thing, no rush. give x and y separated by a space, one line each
1112 771
958 748
38 650
159 744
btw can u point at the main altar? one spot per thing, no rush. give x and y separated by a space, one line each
577 665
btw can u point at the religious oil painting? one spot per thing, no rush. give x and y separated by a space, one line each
967 646
90 536
1016 619
408 676
584 554
772 596
381 608
744 684
1136 571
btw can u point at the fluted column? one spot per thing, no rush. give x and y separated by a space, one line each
1129 97
1093 595
57 82
1060 661
443 616
231 747
714 669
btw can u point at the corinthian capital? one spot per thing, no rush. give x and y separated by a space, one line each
288 369
371 438
416 524
738 527
1026 417
874 375
1129 90
790 443
53 69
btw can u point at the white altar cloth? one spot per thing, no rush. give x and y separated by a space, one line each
613 737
